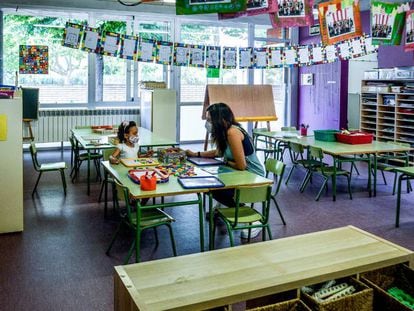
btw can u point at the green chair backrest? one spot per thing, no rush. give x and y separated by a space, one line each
296 148
277 168
106 153
316 153
33 153
288 128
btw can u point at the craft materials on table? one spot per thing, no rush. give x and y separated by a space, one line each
205 161
135 175
139 162
177 169
171 156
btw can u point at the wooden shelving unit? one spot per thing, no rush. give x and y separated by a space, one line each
388 115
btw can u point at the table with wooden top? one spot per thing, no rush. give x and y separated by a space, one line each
89 140
226 276
230 179
337 149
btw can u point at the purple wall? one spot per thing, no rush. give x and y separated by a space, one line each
323 105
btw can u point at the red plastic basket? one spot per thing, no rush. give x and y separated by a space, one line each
354 138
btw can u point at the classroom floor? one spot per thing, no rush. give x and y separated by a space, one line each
59 261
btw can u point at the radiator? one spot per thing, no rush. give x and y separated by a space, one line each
56 125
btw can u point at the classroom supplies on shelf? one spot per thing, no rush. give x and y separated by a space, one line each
171 156
205 161
139 162
136 174
199 182
177 169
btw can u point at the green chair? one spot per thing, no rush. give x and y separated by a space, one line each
277 168
326 172
79 157
138 221
285 145
246 217
46 167
266 145
106 153
387 162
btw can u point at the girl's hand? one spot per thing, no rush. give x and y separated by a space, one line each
190 153
113 160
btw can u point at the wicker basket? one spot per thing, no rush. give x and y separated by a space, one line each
361 300
289 305
383 279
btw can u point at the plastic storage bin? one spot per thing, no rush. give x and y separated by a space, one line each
325 135
355 138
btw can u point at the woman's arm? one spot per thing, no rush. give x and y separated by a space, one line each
205 154
235 139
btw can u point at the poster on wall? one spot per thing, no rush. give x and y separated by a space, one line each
164 52
110 43
245 58
331 53
369 47
72 35
275 57
187 7
292 13
33 59
318 54
339 20
260 58
387 22
197 56
180 54
304 56
213 57
146 50
290 56
409 31
129 47
229 58
344 50
91 40
357 47
253 8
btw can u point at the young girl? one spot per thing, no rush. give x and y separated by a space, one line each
128 142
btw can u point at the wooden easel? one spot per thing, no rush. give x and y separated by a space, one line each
28 123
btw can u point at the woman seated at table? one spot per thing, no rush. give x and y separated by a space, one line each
233 143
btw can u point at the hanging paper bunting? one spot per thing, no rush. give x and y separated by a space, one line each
409 31
339 20
91 40
387 22
146 50
331 53
197 56
129 47
318 54
253 8
72 35
344 50
180 54
290 56
275 56
260 58
110 44
292 13
33 59
186 7
369 47
229 58
304 56
213 57
357 47
245 58
164 53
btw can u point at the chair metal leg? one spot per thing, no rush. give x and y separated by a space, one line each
383 177
113 238
157 241
172 240
356 168
348 177
305 181
37 182
62 174
290 173
269 232
325 181
395 183
131 249
278 209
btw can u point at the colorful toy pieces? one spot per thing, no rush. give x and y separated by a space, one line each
179 170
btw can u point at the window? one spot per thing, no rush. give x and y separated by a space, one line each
67 81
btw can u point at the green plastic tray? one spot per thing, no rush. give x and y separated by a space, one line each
325 135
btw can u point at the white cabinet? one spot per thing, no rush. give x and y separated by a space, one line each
159 112
11 168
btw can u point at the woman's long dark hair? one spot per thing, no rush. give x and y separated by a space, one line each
124 129
222 118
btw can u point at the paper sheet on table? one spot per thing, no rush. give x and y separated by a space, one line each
3 127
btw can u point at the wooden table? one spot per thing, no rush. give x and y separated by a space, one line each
407 173
146 140
231 275
337 149
173 188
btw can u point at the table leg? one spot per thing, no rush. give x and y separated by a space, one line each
211 219
375 176
89 173
201 220
397 216
106 192
334 178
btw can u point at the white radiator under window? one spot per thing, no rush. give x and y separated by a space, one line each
55 125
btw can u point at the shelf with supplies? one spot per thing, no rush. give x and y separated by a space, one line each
387 110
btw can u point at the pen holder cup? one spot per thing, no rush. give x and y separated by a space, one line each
148 183
303 131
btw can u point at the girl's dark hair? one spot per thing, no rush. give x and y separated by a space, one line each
124 129
222 118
